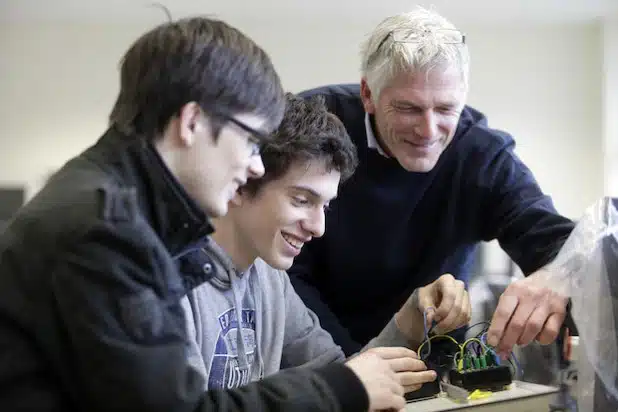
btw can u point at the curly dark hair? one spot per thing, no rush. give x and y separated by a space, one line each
200 60
307 132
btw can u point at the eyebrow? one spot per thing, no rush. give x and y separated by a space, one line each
310 192
446 104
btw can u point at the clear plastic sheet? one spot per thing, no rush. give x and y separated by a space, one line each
586 270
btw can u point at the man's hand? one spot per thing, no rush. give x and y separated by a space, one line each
383 387
444 301
450 300
527 310
411 372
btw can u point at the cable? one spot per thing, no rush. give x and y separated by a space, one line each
519 370
467 342
478 324
428 342
474 349
425 321
484 338
426 334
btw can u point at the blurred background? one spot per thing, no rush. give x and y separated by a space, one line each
544 70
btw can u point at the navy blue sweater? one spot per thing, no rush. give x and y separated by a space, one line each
390 231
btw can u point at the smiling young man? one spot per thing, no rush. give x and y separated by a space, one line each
268 223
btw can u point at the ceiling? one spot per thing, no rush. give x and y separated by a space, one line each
486 11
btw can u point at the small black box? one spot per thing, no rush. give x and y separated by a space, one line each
492 378
428 390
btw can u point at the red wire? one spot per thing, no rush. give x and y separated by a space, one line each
567 345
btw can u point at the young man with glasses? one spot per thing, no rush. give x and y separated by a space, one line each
433 181
90 312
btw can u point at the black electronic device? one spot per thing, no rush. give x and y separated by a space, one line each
427 391
490 378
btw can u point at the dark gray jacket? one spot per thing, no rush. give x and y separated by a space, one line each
90 313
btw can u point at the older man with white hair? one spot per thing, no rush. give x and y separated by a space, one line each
433 181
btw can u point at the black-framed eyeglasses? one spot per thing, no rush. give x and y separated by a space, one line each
256 138
448 36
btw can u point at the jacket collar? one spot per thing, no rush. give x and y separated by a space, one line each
171 212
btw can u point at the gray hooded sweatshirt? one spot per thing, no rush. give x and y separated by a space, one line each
278 331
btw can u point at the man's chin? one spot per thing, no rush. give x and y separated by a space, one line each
214 210
418 165
279 262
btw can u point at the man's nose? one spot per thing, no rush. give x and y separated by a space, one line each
315 222
427 126
256 167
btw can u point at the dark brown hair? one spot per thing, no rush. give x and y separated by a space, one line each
194 60
307 132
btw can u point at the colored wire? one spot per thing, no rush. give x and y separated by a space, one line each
428 342
516 364
456 366
467 342
478 324
425 321
477 345
426 335
518 370
567 345
490 349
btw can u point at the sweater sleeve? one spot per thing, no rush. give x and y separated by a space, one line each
391 336
517 212
305 342
304 275
333 388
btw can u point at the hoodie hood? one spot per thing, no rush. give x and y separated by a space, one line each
209 257
224 268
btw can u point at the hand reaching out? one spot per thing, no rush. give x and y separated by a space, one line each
410 370
527 310
380 381
388 373
444 301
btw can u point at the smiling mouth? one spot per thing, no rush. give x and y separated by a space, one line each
424 145
295 243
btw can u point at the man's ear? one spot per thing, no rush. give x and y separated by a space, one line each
190 123
367 97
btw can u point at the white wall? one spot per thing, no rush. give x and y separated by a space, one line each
543 84
610 104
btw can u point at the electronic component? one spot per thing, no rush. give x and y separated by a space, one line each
493 378
472 365
428 390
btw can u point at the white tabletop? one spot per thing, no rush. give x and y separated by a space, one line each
520 397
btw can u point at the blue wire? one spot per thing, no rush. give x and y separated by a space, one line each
427 340
518 367
495 355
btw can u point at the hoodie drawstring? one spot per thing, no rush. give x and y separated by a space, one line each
257 296
243 363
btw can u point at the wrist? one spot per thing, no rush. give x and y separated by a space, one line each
409 321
